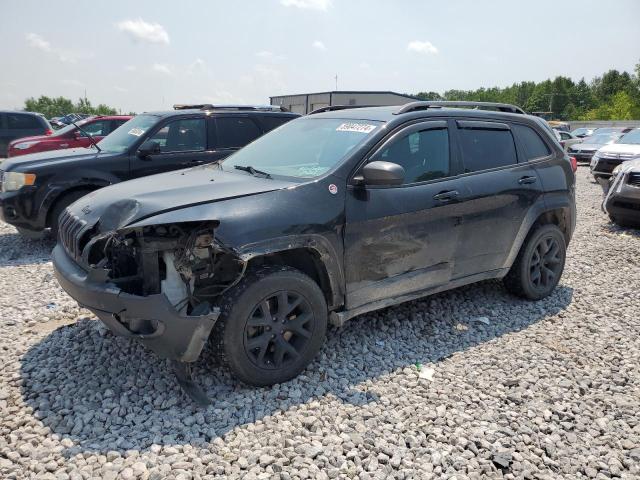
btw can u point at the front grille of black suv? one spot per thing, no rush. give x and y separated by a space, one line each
634 179
70 232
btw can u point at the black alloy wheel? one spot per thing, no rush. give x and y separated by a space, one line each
539 264
545 264
278 330
271 325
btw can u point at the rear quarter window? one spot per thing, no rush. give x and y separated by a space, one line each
534 147
236 132
270 122
20 121
486 148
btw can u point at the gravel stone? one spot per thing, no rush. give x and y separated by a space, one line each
555 384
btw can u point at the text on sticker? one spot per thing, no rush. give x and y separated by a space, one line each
136 131
356 127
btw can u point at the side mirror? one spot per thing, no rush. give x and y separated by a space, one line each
381 173
149 147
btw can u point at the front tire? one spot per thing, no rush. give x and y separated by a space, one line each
272 324
539 264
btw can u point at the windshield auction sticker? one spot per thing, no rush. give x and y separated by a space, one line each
136 131
356 127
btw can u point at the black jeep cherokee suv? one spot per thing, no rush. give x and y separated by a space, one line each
36 188
329 216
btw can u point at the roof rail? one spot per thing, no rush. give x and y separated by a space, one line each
332 108
501 107
209 106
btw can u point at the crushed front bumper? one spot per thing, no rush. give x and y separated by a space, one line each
151 319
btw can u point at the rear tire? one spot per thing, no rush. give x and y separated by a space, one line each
272 324
60 206
539 264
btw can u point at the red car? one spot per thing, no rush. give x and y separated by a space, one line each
68 137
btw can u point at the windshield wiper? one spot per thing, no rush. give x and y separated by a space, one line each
252 170
93 142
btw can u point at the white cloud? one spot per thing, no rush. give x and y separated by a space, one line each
364 65
162 68
198 65
120 89
141 30
39 42
319 45
426 48
322 5
36 41
130 68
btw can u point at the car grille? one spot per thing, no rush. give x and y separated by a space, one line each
634 179
71 231
620 157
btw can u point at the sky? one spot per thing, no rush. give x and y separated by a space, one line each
147 55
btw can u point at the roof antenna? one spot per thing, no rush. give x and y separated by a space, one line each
336 82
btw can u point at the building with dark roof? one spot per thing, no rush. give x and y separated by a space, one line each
307 102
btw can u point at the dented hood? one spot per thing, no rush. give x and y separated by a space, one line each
120 205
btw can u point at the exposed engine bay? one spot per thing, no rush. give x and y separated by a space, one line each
182 261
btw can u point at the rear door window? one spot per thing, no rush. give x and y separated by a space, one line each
20 121
235 132
186 135
534 147
486 145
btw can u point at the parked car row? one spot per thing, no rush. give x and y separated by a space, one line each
60 122
37 187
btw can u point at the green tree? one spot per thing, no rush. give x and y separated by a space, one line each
615 95
428 96
57 107
49 106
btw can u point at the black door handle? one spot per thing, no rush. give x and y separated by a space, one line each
527 180
444 196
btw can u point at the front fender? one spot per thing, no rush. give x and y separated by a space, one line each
318 243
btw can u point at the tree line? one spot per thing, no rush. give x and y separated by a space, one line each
613 96
59 106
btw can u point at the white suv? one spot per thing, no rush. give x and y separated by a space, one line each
610 156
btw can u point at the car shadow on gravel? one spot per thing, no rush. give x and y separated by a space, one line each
17 250
108 393
614 229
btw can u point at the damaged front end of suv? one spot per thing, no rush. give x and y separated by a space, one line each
157 283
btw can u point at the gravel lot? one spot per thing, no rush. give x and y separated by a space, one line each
472 383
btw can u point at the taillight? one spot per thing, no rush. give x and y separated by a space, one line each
48 131
574 164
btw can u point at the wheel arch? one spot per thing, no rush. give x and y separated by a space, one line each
559 215
54 200
311 254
